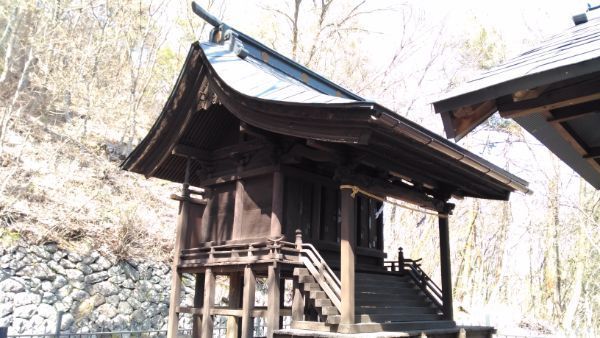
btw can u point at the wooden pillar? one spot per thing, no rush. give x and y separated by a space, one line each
446 272
248 303
198 300
347 244
238 211
235 297
277 205
209 301
297 301
180 237
273 299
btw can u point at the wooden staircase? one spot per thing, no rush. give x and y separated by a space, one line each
384 302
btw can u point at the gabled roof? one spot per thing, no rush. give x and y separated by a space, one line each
553 91
239 78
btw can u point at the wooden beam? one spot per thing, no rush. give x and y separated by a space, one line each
191 152
238 149
306 175
568 113
573 94
347 256
465 119
592 153
395 190
528 94
235 302
273 295
314 154
224 153
209 300
399 169
224 178
191 310
248 303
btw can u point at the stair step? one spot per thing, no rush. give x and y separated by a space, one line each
386 318
391 299
311 287
301 272
313 326
388 290
399 301
387 294
386 284
323 302
329 310
306 279
396 309
381 277
419 325
318 295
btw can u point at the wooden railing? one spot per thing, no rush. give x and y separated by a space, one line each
247 252
265 251
320 271
413 269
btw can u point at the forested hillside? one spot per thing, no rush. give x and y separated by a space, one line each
82 81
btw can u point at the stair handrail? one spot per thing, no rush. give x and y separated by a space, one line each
320 271
426 284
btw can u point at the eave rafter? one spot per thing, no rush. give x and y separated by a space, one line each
580 147
568 94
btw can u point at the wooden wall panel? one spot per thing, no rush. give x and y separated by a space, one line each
194 233
330 214
257 203
299 209
217 222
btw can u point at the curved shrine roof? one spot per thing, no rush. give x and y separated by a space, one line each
217 86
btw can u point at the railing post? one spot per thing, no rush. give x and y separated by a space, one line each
298 239
298 298
400 260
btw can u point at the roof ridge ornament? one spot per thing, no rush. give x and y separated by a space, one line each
221 33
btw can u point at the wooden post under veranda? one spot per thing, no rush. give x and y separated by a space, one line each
180 235
248 303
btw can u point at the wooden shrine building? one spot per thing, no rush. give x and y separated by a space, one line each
283 174
552 91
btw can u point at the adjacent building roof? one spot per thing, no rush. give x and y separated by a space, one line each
252 83
553 91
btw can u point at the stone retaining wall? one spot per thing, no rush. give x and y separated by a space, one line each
94 292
